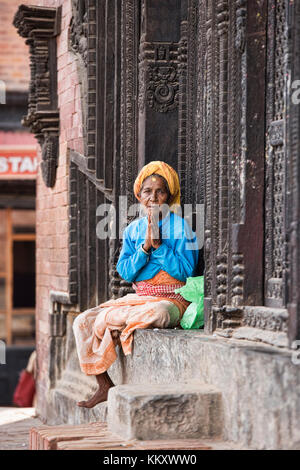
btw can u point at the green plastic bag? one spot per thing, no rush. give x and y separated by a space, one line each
193 291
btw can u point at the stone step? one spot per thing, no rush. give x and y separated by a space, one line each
72 388
174 411
248 373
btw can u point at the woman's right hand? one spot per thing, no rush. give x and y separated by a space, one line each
147 245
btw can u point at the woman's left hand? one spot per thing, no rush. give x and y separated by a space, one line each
156 242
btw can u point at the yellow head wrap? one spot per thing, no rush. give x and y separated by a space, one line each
162 169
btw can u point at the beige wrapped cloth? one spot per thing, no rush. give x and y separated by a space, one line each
98 330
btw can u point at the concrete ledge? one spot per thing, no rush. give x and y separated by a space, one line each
179 411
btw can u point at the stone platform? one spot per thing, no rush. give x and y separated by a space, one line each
254 380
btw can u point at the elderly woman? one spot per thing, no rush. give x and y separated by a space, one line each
159 252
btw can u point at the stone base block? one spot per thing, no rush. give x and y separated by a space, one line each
62 406
187 410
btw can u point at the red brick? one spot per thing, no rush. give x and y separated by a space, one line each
79 145
60 241
67 8
61 283
62 227
62 61
61 172
14 56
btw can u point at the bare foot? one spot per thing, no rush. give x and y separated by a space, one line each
104 384
99 397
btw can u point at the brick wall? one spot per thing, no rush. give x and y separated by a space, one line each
52 204
14 59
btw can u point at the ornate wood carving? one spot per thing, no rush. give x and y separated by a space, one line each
79 28
91 100
159 76
182 117
129 90
275 155
40 26
271 319
232 113
291 287
109 167
159 81
202 72
190 160
207 49
60 304
246 269
73 238
82 44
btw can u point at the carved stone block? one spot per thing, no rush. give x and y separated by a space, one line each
160 411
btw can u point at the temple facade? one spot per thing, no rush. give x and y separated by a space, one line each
212 88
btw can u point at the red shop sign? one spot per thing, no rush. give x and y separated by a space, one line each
18 162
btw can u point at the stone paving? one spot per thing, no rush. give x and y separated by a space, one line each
15 424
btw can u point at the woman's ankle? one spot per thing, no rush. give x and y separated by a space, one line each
104 380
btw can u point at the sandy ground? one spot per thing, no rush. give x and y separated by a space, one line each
15 424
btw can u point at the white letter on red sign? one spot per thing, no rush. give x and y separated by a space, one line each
14 163
3 165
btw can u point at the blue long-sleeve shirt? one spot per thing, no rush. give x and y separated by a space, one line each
177 255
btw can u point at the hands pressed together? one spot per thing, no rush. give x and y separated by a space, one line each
152 234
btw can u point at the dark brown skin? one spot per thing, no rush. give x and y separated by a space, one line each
153 194
104 384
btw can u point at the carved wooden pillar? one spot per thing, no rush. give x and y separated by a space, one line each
293 173
275 255
246 240
209 138
222 249
40 26
233 132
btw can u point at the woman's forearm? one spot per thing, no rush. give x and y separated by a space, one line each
129 266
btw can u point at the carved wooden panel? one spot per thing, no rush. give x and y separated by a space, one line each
231 96
189 92
79 28
275 255
141 74
292 291
40 26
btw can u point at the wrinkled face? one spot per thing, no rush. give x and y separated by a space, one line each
154 192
